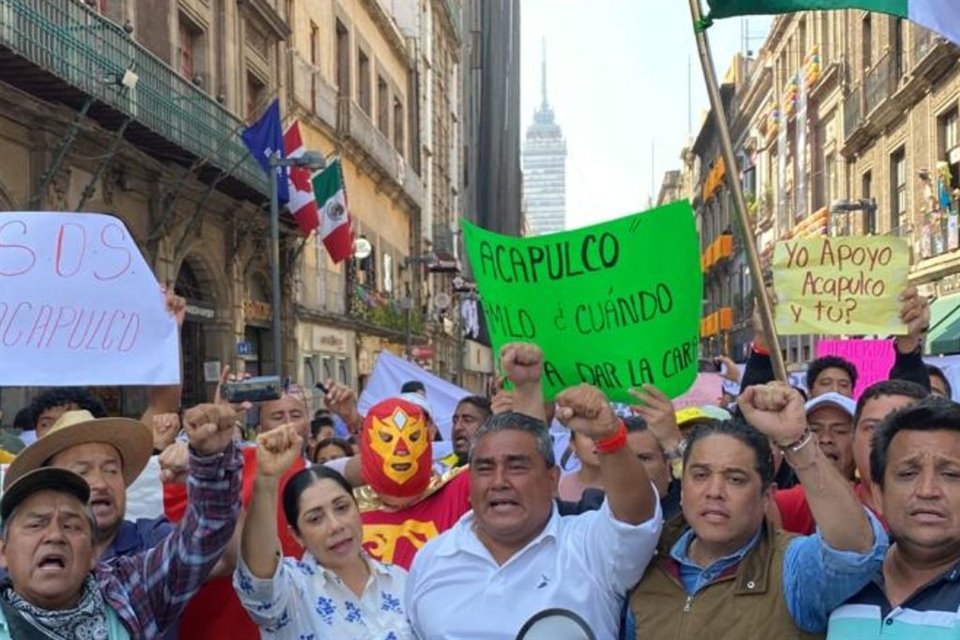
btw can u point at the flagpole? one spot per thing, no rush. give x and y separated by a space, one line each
733 183
275 264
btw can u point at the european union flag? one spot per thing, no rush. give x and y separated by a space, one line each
265 138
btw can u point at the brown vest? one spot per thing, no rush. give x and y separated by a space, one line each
745 603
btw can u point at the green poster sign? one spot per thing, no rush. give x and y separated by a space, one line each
615 305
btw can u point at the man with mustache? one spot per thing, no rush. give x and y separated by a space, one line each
57 588
830 419
514 555
915 466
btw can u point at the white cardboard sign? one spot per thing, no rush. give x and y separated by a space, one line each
79 305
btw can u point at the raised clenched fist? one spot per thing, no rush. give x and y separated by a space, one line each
586 410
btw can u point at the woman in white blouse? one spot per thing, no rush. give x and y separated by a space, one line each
336 591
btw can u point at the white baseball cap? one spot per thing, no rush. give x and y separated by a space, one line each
415 398
832 399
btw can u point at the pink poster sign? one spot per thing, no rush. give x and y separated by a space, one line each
706 389
873 358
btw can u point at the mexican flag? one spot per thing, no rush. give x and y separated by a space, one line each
941 16
335 228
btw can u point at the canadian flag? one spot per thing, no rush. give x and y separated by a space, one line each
302 204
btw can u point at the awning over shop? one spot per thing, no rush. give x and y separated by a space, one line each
944 334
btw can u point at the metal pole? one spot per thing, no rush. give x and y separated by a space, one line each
275 263
408 336
733 182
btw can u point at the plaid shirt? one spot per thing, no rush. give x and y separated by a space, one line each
149 590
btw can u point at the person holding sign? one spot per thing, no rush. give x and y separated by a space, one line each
582 295
732 575
839 284
515 538
56 586
836 374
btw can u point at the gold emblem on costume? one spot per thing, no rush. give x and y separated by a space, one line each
380 540
400 440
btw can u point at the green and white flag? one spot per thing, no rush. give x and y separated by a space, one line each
335 228
942 16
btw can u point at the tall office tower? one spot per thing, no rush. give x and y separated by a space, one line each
545 167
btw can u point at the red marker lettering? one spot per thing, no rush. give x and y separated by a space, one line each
27 258
61 250
128 259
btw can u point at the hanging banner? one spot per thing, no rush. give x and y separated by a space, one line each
840 285
79 305
615 305
391 372
782 220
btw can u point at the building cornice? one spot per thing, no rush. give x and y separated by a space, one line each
388 28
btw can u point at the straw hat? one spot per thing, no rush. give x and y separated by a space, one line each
130 437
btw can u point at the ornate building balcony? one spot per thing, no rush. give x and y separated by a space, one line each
373 153
61 51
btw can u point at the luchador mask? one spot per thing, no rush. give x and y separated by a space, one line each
395 449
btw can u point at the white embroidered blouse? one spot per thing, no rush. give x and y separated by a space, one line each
304 601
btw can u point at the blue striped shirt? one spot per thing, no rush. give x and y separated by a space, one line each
931 613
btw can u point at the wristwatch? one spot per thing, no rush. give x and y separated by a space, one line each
675 458
677 452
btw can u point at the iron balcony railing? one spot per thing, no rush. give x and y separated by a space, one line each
67 39
880 83
852 112
311 91
354 123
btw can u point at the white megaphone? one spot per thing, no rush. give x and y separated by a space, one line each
556 624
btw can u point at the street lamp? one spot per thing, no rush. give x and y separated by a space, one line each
312 160
863 204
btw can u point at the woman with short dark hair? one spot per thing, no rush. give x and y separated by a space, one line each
336 590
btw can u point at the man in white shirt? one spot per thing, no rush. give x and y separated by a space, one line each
513 555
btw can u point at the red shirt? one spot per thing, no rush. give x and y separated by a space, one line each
795 511
795 514
215 613
395 536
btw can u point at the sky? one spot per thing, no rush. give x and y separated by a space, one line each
617 79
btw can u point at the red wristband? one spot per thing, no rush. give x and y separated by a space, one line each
613 443
760 351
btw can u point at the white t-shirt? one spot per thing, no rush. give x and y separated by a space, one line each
145 494
584 563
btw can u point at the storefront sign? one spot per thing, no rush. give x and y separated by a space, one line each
949 284
422 352
329 340
244 348
256 311
197 310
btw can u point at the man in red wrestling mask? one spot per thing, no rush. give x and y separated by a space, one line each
403 503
